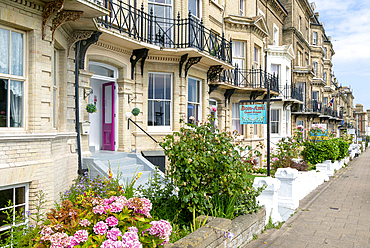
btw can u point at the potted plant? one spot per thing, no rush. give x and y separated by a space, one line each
90 108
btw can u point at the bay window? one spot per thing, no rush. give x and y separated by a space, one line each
11 78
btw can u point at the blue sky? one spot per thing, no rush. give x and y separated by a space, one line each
348 24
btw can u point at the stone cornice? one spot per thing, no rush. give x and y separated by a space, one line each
36 8
112 48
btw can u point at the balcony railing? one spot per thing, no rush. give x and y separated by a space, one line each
309 106
291 92
165 32
250 78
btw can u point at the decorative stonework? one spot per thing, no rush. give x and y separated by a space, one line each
64 16
112 48
49 10
30 4
76 36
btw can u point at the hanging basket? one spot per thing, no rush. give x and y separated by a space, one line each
135 111
90 108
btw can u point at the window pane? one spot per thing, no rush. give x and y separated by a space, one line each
3 103
150 87
150 113
192 90
167 113
159 86
158 113
108 104
274 127
20 195
20 212
17 54
168 87
16 104
101 71
4 51
3 236
5 196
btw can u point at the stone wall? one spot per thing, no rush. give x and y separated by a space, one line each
210 235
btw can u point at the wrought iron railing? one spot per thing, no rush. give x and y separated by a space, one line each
288 91
310 106
128 127
165 32
250 78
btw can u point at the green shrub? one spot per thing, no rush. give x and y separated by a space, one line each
205 162
318 152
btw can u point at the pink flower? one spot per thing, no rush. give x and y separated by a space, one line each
72 242
161 229
119 244
85 223
116 207
81 236
46 230
112 221
107 244
293 140
113 234
147 206
123 200
100 228
99 209
275 159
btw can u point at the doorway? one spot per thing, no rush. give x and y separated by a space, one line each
104 123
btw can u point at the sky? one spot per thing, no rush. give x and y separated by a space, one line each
348 24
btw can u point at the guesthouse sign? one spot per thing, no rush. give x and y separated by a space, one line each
253 114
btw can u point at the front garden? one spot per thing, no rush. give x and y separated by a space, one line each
210 174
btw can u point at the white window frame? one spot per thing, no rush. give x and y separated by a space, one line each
199 5
315 69
276 71
299 23
236 56
242 7
162 128
275 35
256 56
235 118
197 104
14 206
8 77
314 38
274 121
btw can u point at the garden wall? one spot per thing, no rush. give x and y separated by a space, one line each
210 235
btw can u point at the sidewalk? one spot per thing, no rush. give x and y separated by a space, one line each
336 214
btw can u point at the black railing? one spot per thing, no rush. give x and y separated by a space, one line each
250 78
309 106
128 127
291 92
165 32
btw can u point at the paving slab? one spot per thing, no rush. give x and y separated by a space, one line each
336 214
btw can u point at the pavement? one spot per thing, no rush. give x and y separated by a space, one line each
335 214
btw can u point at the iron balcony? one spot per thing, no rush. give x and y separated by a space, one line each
165 32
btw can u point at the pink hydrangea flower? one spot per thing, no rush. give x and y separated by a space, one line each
107 244
100 228
81 236
72 242
46 230
99 209
122 199
147 206
112 221
85 223
113 234
116 207
59 240
161 229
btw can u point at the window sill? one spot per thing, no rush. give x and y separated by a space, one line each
217 5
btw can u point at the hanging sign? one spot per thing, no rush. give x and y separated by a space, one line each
253 114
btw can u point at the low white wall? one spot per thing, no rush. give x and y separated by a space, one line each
290 186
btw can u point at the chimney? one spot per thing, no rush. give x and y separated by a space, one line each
317 15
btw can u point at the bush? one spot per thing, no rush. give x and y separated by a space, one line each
204 163
343 148
318 152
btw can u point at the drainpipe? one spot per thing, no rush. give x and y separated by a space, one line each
77 106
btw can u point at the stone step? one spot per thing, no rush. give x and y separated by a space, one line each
124 162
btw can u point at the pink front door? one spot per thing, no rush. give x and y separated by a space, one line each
108 116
